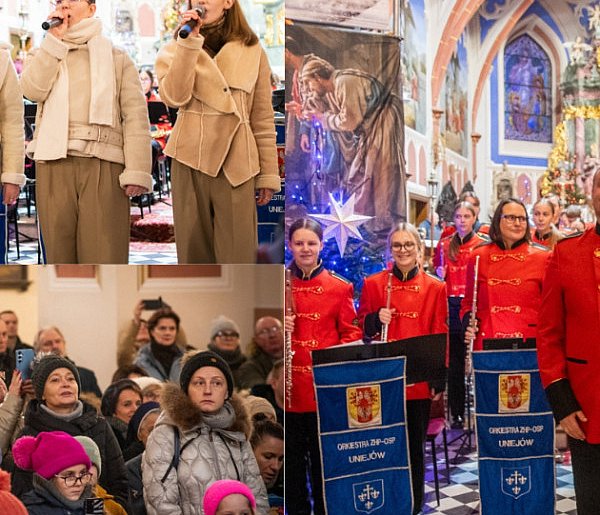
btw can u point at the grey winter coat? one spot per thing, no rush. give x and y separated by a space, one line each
150 364
213 454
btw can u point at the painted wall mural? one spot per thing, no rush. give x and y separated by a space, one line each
414 65
527 92
454 121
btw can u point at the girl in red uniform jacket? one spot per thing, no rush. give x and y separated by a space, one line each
418 307
451 264
509 282
323 316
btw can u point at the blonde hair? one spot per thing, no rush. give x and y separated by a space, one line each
412 230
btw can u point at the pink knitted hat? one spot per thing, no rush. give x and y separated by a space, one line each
222 488
49 453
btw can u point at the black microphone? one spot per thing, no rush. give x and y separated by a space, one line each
51 23
187 29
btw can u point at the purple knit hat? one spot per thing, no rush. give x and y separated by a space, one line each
222 488
49 453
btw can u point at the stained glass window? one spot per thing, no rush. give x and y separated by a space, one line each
527 92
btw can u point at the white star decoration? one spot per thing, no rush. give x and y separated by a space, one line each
341 222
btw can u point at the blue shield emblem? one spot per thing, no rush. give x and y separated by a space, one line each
368 496
516 481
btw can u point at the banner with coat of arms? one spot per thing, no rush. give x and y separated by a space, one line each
362 426
515 434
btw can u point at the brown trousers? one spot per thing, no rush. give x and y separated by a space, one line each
214 222
83 212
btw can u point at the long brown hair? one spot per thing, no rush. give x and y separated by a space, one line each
235 26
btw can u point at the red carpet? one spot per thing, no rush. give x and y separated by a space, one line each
156 226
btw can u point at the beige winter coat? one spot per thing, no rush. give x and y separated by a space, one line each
225 118
128 141
12 147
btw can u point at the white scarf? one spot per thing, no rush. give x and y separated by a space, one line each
53 134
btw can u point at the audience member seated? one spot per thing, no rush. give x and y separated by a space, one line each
136 335
225 341
141 423
61 473
259 408
11 407
8 502
151 388
229 496
51 339
267 443
266 348
57 407
119 402
161 357
212 427
128 372
111 506
273 390
141 426
11 320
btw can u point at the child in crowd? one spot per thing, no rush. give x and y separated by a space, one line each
61 479
228 496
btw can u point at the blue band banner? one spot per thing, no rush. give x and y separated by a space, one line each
363 436
3 233
515 434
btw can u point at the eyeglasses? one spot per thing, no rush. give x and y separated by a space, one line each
58 3
269 330
409 245
228 334
71 481
514 218
217 384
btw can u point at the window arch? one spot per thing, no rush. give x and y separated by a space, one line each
527 91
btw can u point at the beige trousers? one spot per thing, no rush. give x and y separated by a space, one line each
214 222
83 212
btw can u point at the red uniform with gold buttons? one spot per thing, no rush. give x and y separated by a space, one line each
421 308
325 316
569 330
456 270
509 290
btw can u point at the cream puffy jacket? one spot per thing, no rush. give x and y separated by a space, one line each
212 455
225 118
12 147
128 142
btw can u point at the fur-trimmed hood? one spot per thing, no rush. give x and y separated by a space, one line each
178 410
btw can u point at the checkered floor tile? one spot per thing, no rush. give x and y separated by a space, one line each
461 496
29 255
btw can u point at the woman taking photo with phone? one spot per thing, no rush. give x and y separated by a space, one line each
223 143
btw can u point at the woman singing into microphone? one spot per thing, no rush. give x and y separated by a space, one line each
417 307
323 316
223 143
509 281
451 259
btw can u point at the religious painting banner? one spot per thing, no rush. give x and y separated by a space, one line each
345 141
363 437
515 434
364 14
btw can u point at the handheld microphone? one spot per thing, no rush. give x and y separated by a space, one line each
51 23
187 29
